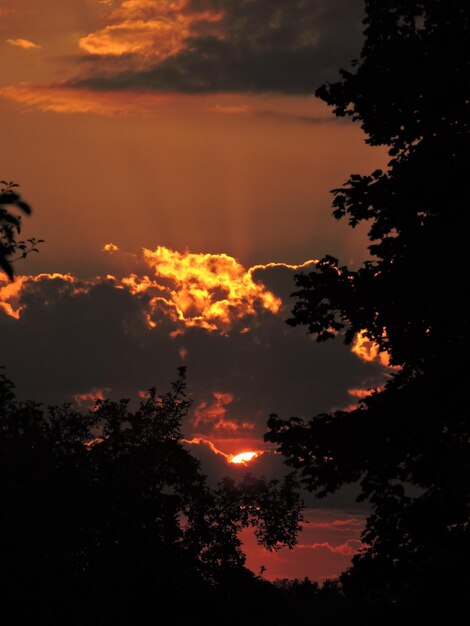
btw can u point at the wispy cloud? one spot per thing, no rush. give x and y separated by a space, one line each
26 44
348 548
59 98
212 417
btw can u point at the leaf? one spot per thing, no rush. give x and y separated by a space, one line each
24 207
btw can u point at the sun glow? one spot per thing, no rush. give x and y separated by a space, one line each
243 458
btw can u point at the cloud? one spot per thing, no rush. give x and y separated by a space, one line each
201 46
344 525
59 98
326 546
212 418
151 29
210 291
207 290
361 393
237 459
368 350
88 399
26 44
348 548
110 247
64 337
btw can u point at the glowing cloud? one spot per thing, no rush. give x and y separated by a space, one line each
10 295
146 28
110 247
58 98
348 548
363 393
241 458
26 44
368 350
10 292
198 441
288 266
208 290
212 416
89 399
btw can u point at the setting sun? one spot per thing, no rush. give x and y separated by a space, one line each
243 458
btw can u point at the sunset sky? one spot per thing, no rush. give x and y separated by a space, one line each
179 168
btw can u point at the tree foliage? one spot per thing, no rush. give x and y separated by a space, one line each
10 228
406 445
106 515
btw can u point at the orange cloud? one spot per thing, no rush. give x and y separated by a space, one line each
231 109
363 393
58 98
296 268
89 399
349 548
208 290
368 350
10 292
354 523
110 247
212 416
198 441
146 28
26 44
241 458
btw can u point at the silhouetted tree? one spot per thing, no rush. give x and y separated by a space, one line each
106 515
10 227
407 445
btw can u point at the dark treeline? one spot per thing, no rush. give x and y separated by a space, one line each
107 519
406 445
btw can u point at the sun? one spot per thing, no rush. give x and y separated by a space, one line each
243 458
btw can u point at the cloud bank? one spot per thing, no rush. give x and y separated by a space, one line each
201 46
64 337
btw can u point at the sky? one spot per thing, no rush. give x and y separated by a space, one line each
180 168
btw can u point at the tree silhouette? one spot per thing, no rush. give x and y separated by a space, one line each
106 516
10 227
406 445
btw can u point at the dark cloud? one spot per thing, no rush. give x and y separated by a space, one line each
76 340
76 337
258 46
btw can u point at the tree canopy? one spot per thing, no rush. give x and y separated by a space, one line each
406 445
106 516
